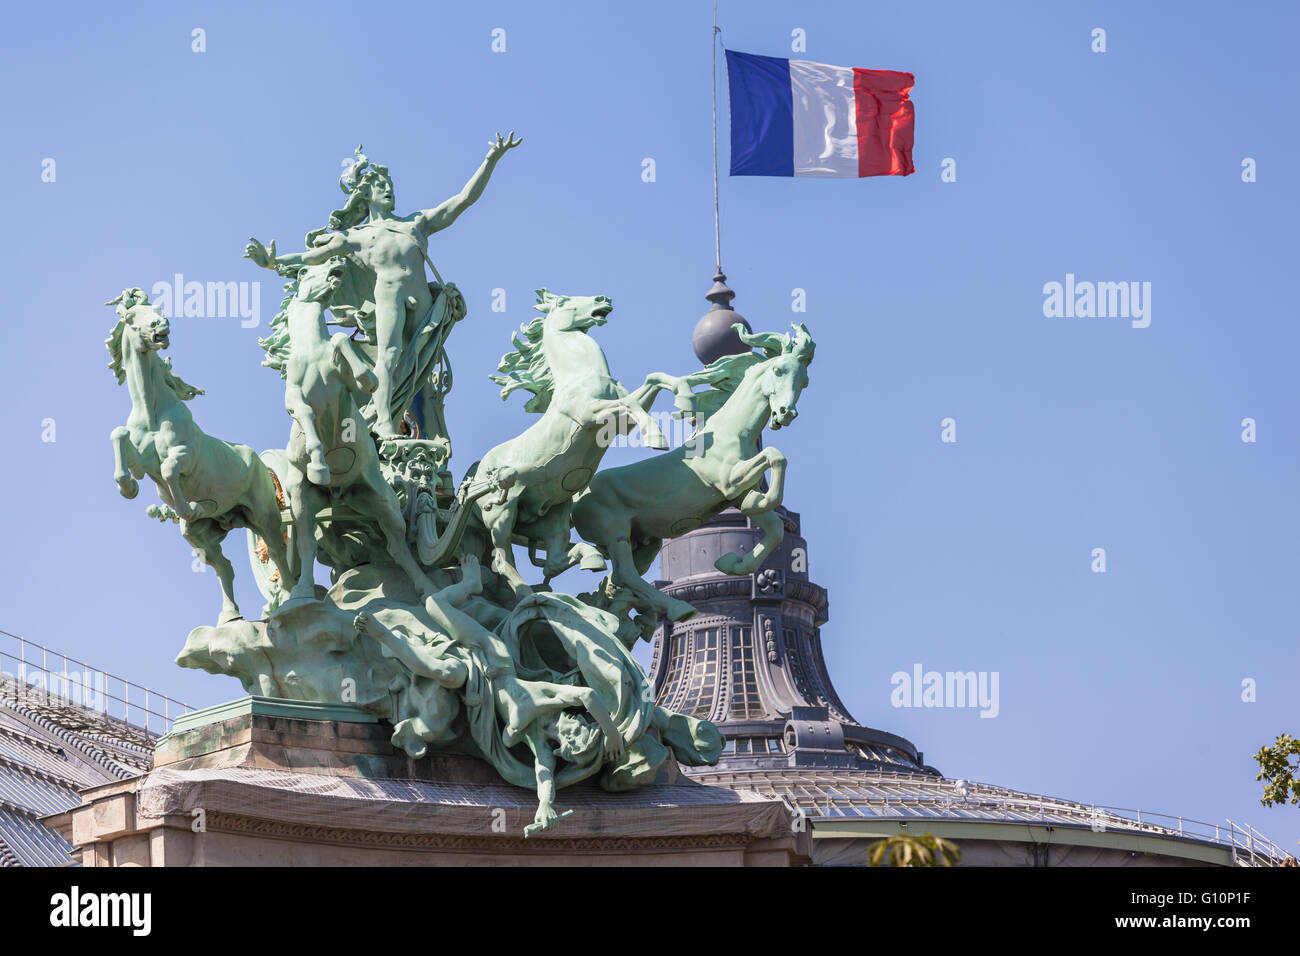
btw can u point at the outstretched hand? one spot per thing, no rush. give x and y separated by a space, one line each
260 254
497 148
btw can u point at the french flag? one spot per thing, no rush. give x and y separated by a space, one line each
800 118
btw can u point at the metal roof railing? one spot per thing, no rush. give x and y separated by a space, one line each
38 675
885 795
1249 846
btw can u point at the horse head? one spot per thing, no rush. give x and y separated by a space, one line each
141 326
572 313
784 374
528 366
318 283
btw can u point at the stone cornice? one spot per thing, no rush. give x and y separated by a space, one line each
539 845
727 586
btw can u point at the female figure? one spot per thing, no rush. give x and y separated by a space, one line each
392 252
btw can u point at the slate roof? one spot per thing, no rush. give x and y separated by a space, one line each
832 795
48 752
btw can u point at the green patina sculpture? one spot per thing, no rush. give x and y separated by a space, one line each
426 621
406 319
209 485
583 408
628 511
333 461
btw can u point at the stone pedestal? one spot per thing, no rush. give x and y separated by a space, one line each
286 783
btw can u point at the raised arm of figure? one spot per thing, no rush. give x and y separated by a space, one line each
442 216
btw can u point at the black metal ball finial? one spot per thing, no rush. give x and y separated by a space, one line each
714 336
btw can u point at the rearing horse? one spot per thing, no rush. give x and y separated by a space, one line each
211 485
583 407
627 512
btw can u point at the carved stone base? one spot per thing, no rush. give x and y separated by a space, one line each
270 784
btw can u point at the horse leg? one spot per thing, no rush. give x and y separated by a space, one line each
625 412
644 554
124 456
561 553
318 473
384 510
356 374
178 462
625 576
499 519
755 506
776 484
587 557
745 474
553 531
655 383
305 503
650 432
205 537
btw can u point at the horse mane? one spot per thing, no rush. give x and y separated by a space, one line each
276 345
183 389
126 300
526 367
724 375
348 308
114 345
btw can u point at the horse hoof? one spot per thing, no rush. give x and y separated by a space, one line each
681 611
228 617
129 487
592 562
730 563
318 474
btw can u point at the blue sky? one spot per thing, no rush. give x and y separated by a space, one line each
926 299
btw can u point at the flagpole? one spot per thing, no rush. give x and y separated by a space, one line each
717 221
714 334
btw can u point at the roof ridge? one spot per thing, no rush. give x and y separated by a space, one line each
39 773
28 738
82 745
110 741
7 856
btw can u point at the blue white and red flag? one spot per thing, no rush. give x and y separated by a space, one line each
800 118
